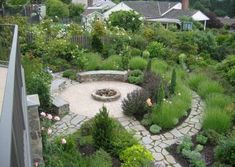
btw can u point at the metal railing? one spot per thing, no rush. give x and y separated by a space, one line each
14 134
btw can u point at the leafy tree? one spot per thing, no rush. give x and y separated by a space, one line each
75 11
57 8
173 82
66 1
17 2
214 22
98 28
103 127
128 20
156 49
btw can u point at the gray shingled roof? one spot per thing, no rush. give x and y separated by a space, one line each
177 14
150 9
89 11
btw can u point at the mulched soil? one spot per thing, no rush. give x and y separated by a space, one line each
207 154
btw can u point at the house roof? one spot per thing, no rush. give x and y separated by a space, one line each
89 11
150 9
104 4
227 21
177 14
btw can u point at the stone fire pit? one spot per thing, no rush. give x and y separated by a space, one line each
106 94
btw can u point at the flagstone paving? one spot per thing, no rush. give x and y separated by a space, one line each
157 144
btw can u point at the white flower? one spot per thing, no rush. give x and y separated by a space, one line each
49 131
42 128
179 94
56 118
63 141
49 116
43 114
164 99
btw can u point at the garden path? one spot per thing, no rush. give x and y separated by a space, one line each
155 143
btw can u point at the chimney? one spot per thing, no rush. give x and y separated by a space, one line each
89 3
185 4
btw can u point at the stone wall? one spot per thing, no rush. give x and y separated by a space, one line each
34 128
102 75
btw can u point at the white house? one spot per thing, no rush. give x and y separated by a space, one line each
160 11
89 16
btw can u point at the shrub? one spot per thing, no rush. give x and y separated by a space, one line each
173 82
201 139
135 103
93 62
156 49
137 63
57 8
75 11
113 62
214 138
136 77
87 127
159 66
218 100
121 140
208 87
155 129
172 110
146 54
199 148
225 152
146 122
216 120
97 44
194 157
135 52
186 144
102 133
136 155
71 74
100 159
151 83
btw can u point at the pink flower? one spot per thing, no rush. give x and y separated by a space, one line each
63 141
43 114
49 116
49 131
149 103
56 118
36 164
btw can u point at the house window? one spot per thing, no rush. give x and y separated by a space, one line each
186 26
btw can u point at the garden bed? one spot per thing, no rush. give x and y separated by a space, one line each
207 154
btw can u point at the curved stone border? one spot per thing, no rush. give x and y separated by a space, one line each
105 98
102 75
156 144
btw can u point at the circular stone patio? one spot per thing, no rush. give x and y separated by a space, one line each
82 103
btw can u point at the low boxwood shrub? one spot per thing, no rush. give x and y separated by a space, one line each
146 122
136 77
225 152
136 155
71 74
216 120
137 63
135 103
159 66
155 129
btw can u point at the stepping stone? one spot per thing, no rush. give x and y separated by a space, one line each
170 159
156 137
147 140
164 152
185 130
158 156
176 133
77 119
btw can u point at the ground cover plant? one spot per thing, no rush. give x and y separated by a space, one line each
101 141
